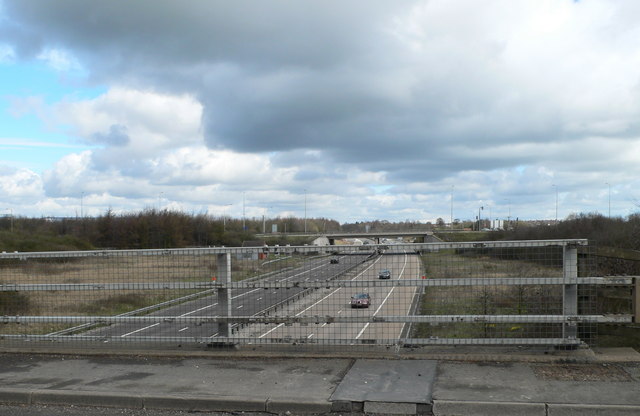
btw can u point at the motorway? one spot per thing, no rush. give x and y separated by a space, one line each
244 302
386 300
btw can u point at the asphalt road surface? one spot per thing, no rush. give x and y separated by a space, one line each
386 300
245 302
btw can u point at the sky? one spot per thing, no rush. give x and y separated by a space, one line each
362 110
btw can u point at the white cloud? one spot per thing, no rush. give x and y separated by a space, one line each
153 121
59 60
7 54
20 185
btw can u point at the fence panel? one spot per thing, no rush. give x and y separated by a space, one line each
324 298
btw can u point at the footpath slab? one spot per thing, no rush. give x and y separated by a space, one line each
605 384
274 385
388 386
492 388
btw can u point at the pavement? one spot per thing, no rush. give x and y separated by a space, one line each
439 382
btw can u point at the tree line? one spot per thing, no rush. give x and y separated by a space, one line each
148 229
152 228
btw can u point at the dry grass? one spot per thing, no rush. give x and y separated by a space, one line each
109 270
486 300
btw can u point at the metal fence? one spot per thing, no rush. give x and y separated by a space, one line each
383 295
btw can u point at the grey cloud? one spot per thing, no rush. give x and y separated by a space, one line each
290 76
116 136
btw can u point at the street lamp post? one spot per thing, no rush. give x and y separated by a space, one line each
224 218
479 218
556 186
264 221
509 208
451 219
305 211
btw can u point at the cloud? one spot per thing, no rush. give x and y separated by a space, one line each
117 136
498 99
58 60
19 185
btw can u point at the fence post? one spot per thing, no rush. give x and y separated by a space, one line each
570 290
223 262
636 300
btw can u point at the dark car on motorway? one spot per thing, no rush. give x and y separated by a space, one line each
384 274
360 300
334 261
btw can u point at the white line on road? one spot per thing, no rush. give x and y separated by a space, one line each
321 300
385 299
199 309
138 330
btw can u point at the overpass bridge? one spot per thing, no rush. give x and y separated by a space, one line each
418 236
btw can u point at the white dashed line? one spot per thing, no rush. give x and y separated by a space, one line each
141 329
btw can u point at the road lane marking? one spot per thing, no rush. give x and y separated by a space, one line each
386 297
321 300
183 329
141 329
158 323
199 309
209 306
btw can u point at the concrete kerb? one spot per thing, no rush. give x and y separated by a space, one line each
297 406
591 410
200 404
15 396
387 408
182 402
464 408
86 398
471 408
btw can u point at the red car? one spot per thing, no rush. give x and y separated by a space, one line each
360 300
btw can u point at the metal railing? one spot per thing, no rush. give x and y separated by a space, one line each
481 293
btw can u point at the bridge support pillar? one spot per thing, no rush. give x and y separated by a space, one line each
223 262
